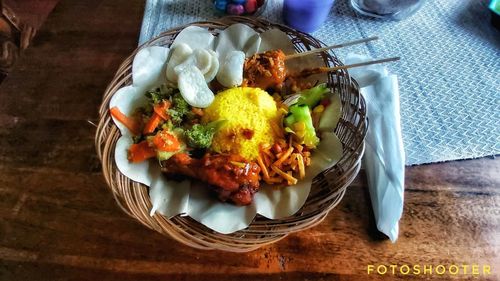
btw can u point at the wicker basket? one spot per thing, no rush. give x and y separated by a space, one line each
327 190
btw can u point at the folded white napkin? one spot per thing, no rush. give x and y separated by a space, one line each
384 154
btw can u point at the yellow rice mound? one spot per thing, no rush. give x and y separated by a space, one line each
249 113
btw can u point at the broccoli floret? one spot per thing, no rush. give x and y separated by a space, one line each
159 94
180 108
200 136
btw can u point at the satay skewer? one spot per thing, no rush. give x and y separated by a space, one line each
337 46
311 71
268 70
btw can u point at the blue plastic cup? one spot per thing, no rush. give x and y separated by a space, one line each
306 15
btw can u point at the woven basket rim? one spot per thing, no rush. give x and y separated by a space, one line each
133 197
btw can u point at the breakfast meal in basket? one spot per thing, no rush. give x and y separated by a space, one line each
221 123
240 138
231 120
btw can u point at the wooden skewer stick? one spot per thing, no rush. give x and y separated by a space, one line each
362 64
308 72
341 45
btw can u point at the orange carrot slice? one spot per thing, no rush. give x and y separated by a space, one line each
152 124
128 122
161 109
140 151
165 141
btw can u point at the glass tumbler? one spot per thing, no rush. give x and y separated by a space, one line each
387 9
306 15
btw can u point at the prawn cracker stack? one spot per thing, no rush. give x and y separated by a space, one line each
220 123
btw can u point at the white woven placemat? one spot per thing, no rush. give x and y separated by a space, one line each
449 73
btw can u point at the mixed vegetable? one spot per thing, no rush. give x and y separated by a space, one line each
166 126
299 120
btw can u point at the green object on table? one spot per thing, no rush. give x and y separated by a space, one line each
495 6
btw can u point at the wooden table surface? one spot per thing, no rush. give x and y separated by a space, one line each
59 221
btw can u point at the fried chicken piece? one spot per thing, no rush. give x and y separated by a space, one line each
232 177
